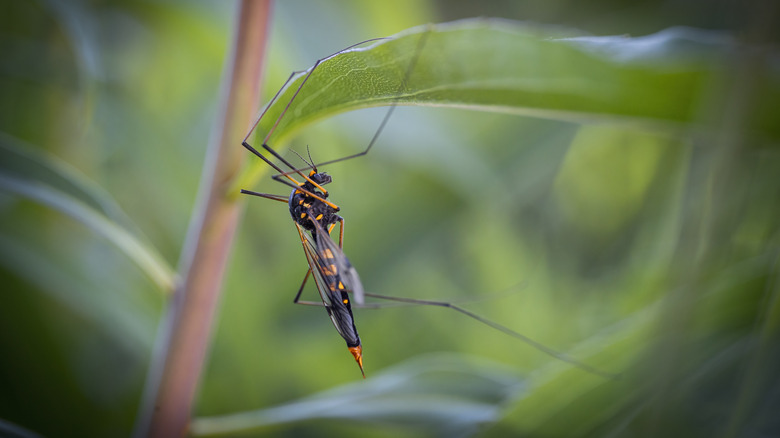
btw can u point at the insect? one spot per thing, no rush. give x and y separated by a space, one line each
315 218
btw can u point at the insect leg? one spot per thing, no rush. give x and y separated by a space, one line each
266 195
314 67
412 63
245 142
341 231
537 345
294 184
300 290
292 75
321 304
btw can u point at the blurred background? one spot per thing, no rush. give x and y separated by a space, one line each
634 251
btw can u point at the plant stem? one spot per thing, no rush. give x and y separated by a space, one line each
185 332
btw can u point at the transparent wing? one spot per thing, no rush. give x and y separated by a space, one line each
315 264
331 287
348 274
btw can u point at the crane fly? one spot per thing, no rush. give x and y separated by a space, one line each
315 218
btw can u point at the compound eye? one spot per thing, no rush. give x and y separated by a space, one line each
322 178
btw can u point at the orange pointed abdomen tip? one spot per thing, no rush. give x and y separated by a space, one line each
357 352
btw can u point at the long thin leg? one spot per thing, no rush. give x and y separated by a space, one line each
293 74
321 304
300 290
541 347
420 45
298 171
294 184
286 174
341 232
266 195
245 142
250 148
314 67
268 105
354 305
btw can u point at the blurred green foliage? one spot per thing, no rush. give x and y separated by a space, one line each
648 252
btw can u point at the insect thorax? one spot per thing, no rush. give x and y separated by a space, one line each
302 205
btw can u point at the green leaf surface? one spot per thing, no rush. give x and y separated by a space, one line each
453 396
48 181
656 81
444 393
616 349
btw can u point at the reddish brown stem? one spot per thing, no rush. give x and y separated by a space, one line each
185 333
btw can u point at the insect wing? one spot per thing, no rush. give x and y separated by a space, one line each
348 274
313 260
331 288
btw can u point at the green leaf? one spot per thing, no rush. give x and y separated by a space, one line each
48 181
657 81
446 393
615 348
